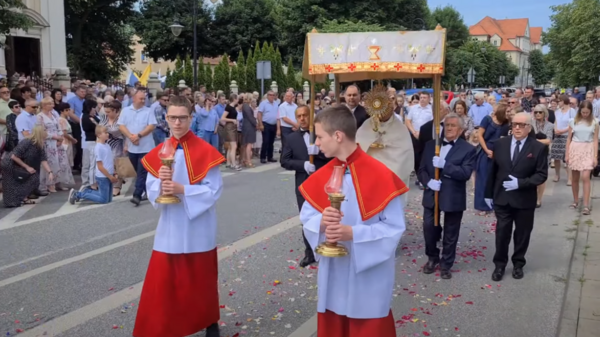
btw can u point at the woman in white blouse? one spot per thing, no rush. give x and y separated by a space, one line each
582 152
563 115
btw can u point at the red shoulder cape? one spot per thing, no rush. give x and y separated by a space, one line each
200 157
375 184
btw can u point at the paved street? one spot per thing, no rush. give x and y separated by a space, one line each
76 271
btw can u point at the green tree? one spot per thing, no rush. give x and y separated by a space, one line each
235 75
278 74
346 26
221 78
448 17
98 36
208 76
241 65
238 23
538 68
201 74
296 18
290 77
11 19
153 28
171 81
257 51
251 72
572 38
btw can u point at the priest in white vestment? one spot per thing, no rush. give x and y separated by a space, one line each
180 294
355 291
390 144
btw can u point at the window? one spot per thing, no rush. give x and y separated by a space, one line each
495 42
143 57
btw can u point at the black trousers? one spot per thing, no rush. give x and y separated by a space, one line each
432 233
77 150
523 220
285 131
268 134
418 151
307 248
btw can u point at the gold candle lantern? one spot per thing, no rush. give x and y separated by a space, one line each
336 196
167 156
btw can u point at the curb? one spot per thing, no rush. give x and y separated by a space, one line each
569 316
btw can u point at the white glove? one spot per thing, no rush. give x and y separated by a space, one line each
489 202
434 185
511 185
309 168
438 162
313 150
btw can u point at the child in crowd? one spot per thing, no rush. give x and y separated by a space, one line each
105 172
64 110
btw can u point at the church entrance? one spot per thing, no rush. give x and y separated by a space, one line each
22 55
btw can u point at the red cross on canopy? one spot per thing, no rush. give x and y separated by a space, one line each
329 68
352 67
375 66
421 68
398 66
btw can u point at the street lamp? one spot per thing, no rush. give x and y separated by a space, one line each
176 29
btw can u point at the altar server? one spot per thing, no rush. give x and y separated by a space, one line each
355 291
180 295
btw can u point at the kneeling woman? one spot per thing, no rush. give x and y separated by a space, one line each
22 168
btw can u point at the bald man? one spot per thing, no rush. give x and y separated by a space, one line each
352 98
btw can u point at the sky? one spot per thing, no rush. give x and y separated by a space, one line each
538 11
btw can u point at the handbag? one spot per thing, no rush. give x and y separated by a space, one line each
124 168
20 174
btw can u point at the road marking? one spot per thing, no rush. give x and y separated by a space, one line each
263 168
96 238
67 208
18 212
227 174
65 262
287 172
116 300
308 329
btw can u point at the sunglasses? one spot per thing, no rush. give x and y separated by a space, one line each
519 125
34 106
512 102
16 107
538 112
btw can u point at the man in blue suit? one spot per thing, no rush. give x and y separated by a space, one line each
456 161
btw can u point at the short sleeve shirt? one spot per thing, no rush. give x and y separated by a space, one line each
136 121
104 154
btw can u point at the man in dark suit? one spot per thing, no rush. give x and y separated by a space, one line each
519 166
352 98
456 161
295 157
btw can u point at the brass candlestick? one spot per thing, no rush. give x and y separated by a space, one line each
336 196
167 156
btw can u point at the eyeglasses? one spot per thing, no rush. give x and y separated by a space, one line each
182 119
16 107
512 102
519 125
538 112
34 106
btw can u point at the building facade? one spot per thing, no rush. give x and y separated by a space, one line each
42 49
515 38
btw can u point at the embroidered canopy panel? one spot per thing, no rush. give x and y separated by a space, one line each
381 55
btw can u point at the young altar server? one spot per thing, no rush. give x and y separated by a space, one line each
355 291
180 295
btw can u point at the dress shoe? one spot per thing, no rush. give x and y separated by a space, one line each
135 200
33 196
446 274
307 260
272 160
263 161
517 273
42 193
213 330
429 267
497 274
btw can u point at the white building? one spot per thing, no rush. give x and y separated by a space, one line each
513 37
42 49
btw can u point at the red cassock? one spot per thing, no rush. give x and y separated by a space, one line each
180 294
375 186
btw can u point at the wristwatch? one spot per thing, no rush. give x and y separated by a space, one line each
139 135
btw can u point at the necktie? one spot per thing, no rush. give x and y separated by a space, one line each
444 143
516 153
303 131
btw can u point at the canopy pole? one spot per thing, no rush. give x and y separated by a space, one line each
337 88
437 87
311 123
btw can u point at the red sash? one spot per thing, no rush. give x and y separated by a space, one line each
200 157
375 184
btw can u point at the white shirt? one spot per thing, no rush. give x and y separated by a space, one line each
190 226
104 154
562 119
358 285
287 110
445 149
136 121
419 115
582 132
513 146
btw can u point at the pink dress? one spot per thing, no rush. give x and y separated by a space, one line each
56 155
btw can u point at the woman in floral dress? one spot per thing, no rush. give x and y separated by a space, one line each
55 153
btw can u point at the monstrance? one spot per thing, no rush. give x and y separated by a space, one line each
378 106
